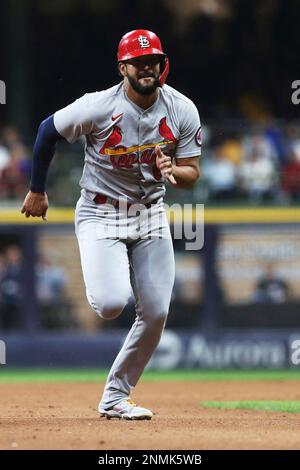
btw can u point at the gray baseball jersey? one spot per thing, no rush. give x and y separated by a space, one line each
121 137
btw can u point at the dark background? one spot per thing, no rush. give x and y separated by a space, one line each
236 58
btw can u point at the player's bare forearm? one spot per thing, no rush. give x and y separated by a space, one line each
185 176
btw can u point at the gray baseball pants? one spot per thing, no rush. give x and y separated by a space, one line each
119 251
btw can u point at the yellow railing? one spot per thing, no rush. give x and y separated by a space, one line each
212 215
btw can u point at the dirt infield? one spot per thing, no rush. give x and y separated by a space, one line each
64 416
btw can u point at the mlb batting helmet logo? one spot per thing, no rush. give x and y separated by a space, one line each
143 40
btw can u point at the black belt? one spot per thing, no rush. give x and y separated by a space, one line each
102 199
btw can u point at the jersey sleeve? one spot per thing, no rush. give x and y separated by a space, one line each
189 144
75 119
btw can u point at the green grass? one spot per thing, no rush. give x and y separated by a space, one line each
12 375
268 405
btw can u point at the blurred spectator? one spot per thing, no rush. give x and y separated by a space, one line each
55 308
4 157
290 180
2 266
15 175
233 150
15 167
293 139
220 174
51 280
259 144
274 132
11 288
258 178
271 288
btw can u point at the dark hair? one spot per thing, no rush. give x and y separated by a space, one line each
119 73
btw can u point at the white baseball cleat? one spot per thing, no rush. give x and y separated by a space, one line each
126 409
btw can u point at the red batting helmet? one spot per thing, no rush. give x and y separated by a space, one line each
143 42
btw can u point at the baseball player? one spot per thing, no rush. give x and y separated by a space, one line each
139 134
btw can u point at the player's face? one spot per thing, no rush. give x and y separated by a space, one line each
143 73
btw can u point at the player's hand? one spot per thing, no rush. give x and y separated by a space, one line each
35 205
164 164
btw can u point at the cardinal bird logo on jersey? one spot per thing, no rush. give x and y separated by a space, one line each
127 157
169 139
165 131
113 140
